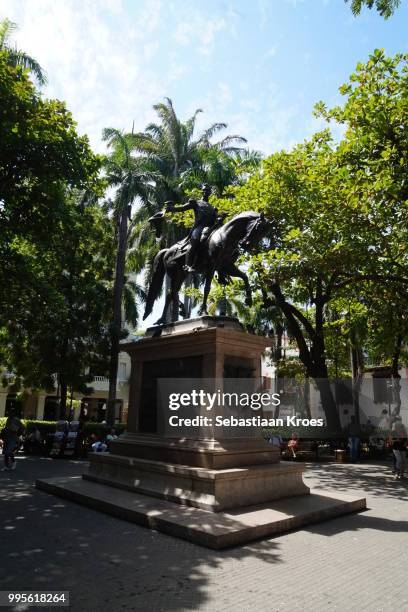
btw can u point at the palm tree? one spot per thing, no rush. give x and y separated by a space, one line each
16 56
171 148
221 168
128 175
133 294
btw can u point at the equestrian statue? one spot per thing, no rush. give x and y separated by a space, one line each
210 247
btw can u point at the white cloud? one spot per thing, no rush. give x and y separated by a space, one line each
96 58
294 3
198 31
271 51
223 94
263 7
111 63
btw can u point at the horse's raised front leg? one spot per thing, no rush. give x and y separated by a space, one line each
232 270
208 280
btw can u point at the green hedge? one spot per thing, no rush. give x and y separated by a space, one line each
45 427
49 427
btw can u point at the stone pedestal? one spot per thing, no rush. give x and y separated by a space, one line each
210 348
210 473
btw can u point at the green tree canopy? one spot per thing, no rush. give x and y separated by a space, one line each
340 211
386 8
40 154
60 321
39 150
51 298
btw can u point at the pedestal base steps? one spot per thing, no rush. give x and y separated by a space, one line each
213 490
214 454
215 530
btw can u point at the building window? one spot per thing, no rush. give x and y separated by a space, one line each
122 370
51 408
14 406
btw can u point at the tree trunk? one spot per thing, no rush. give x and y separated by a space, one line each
356 358
396 375
71 403
312 349
63 398
306 397
62 380
329 405
117 316
279 338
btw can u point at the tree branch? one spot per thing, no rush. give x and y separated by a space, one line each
373 277
293 325
302 319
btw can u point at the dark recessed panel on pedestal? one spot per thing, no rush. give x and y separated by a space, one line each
186 367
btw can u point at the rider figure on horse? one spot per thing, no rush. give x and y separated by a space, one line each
205 217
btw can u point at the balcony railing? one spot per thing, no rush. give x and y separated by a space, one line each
101 383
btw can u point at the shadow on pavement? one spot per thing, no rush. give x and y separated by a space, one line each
47 543
371 478
50 544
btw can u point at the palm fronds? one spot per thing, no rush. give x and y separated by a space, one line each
17 57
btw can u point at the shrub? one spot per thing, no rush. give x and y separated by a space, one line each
45 427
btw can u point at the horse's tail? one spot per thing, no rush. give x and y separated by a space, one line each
156 283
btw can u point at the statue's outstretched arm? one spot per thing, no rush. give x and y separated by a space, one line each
190 205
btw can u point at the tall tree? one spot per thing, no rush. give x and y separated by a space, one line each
340 211
60 325
43 286
173 148
32 183
128 174
374 157
184 160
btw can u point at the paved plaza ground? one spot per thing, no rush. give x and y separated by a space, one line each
358 562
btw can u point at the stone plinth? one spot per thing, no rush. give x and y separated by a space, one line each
215 530
214 490
206 453
211 348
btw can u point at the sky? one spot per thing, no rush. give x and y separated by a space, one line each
257 65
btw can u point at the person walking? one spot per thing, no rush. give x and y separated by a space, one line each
276 441
399 449
354 440
11 440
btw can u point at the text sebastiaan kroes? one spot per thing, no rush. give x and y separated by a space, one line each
211 401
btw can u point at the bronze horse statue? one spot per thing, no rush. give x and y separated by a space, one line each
217 253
